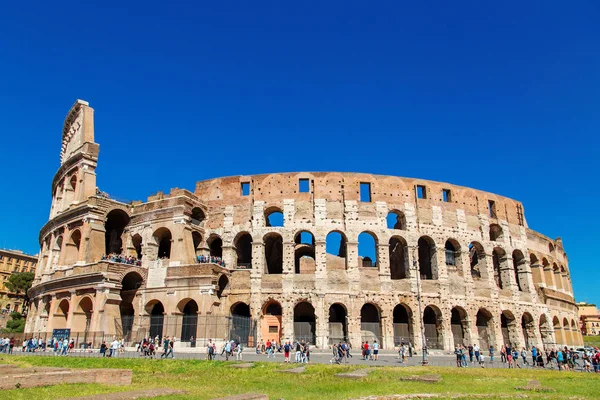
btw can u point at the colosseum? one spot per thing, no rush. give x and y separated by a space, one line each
321 257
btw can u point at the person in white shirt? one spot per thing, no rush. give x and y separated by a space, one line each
114 348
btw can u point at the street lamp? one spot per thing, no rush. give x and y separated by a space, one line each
417 275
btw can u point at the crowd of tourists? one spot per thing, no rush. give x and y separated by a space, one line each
210 259
230 347
565 359
123 259
147 347
341 352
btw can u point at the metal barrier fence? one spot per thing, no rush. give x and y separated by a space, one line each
82 340
193 329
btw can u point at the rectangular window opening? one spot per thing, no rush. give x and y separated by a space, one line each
304 185
365 192
492 208
421 192
245 188
520 215
272 328
446 196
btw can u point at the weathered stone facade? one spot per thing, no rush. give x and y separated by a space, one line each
288 251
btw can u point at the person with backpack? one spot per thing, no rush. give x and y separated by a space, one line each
524 356
286 351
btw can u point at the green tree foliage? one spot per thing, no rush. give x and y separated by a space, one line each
16 324
20 282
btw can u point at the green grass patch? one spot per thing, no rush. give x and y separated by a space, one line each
208 380
593 341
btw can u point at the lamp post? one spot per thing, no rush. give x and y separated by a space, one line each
418 277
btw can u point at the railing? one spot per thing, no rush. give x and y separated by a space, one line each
450 257
244 266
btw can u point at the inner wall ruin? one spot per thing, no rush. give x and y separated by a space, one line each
320 257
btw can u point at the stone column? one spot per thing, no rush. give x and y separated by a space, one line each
383 261
353 271
288 258
537 273
353 325
507 274
229 256
287 320
258 259
322 323
387 331
549 275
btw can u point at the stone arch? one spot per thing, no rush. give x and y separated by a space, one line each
399 261
557 276
370 322
136 240
537 272
477 261
566 332
337 252
528 329
305 322
273 253
61 314
499 261
243 249
197 243
274 216
163 238
130 284
72 247
156 309
485 328
496 233
520 269
116 221
271 320
574 333
222 286
432 322
82 316
215 245
242 328
304 253
545 330
558 331
197 216
427 258
367 250
459 324
338 323
548 274
508 325
453 255
396 220
403 325
189 320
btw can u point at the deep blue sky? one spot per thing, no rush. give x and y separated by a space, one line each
502 98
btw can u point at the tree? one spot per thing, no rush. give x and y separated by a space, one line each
20 283
16 324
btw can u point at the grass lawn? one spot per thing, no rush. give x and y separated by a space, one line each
207 380
593 341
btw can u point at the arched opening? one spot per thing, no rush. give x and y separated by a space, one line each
273 216
427 258
304 253
163 239
548 275
402 320
189 323
73 182
196 241
61 315
485 328
477 259
223 284
241 324
338 323
396 220
452 252
432 322
399 264
197 216
335 246
498 259
520 269
367 250
274 253
57 249
528 329
116 221
508 327
537 273
129 287
271 321
82 317
157 315
558 332
304 322
496 232
215 244
459 325
545 330
72 248
550 248
566 332
557 277
137 245
243 250
370 323
574 333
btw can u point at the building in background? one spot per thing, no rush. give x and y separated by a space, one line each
589 319
13 261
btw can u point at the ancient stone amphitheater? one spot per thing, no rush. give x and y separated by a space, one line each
320 256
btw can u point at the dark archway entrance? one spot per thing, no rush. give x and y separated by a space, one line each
305 322
242 328
129 287
458 324
370 323
485 328
156 320
116 221
338 324
432 321
403 332
189 324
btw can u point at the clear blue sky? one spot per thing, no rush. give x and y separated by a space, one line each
503 98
